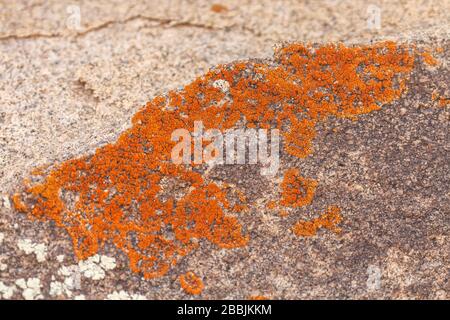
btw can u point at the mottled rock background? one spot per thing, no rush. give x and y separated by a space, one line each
70 83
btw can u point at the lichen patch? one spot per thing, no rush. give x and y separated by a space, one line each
118 194
31 288
38 249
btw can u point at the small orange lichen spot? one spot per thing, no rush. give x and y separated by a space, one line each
327 220
429 59
434 96
297 191
219 8
191 283
39 171
26 182
444 101
283 213
18 204
272 204
258 298
241 195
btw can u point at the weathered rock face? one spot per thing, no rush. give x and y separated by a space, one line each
383 179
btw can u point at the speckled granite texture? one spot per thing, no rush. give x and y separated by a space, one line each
68 88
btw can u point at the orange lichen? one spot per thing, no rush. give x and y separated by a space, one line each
283 213
39 171
297 191
191 283
434 96
272 204
121 195
327 220
258 298
18 204
429 59
442 101
219 8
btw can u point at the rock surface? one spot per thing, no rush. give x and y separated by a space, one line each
68 88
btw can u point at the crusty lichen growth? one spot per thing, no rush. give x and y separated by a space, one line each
328 220
191 283
117 195
429 59
18 203
297 191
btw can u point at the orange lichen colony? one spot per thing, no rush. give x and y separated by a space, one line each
297 191
191 283
117 195
327 220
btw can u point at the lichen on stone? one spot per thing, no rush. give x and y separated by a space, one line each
117 195
191 283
